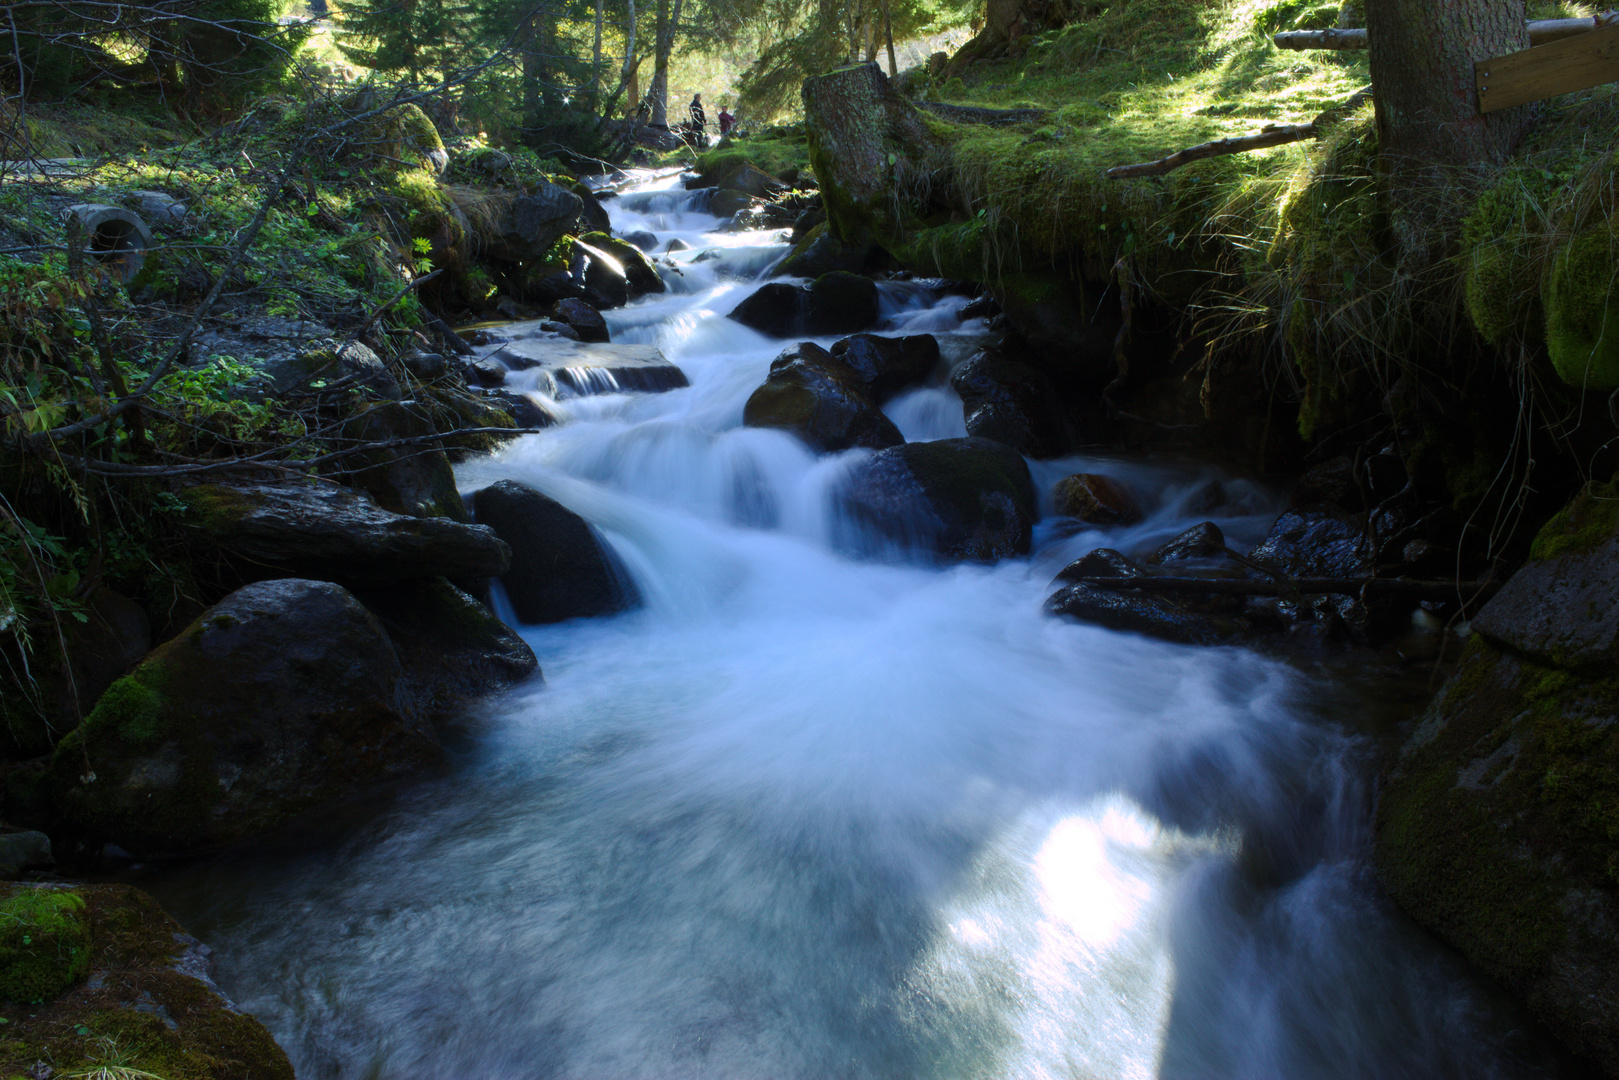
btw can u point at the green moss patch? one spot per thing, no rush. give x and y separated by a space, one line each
44 943
1590 519
1581 298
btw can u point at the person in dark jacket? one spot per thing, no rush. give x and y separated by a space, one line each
699 119
726 121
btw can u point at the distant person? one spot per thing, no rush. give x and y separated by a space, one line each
727 121
699 119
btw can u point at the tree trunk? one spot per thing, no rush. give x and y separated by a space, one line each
596 56
1429 129
888 36
660 65
529 36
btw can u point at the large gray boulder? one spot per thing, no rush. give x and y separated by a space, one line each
818 398
1497 827
285 696
532 224
335 534
952 499
561 568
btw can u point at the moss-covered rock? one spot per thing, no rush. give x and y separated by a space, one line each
44 943
639 272
148 1004
285 696
1499 825
1581 300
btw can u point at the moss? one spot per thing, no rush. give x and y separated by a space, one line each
1590 519
408 137
143 1014
131 707
216 508
777 151
44 943
1582 311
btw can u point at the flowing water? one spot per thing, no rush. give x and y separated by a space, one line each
804 816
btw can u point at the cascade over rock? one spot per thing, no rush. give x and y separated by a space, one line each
817 397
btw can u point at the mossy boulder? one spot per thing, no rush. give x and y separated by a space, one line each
44 943
405 135
1581 301
950 500
285 696
1498 826
134 992
819 398
818 252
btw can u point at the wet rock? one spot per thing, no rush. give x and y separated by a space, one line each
35 714
335 534
561 567
640 275
524 412
1199 542
1064 324
806 221
452 649
22 851
675 245
560 368
532 224
1011 403
647 242
551 326
776 310
840 303
1102 562
487 372
815 396
593 215
1095 499
953 499
886 366
1135 613
415 479
982 307
585 320
285 696
547 285
425 365
1562 607
118 964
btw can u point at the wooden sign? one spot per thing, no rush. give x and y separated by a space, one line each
1558 67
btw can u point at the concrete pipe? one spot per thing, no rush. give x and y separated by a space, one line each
115 238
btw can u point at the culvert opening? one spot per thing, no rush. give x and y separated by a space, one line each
115 238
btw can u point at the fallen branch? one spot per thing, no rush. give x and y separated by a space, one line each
1410 588
1270 135
1541 31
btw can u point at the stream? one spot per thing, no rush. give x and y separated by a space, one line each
805 816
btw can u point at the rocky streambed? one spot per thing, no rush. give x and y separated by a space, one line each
849 755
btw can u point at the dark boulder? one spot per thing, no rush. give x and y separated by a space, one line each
1135 613
1326 541
561 568
532 224
840 302
592 214
1011 403
1102 562
1199 542
546 285
813 395
886 366
285 696
645 241
750 180
1095 499
776 310
335 534
729 203
819 252
952 499
414 479
451 648
585 320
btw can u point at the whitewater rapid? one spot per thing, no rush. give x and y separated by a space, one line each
803 816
